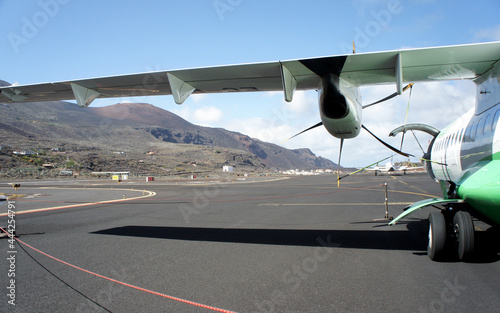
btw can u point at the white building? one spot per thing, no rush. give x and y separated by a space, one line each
25 152
227 168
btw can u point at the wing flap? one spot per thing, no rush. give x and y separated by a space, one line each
247 77
426 64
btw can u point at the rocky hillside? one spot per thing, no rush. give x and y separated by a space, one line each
133 127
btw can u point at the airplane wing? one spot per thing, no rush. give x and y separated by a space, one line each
411 65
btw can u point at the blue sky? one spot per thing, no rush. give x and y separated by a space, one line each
52 40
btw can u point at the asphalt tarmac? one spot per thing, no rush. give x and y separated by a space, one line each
289 245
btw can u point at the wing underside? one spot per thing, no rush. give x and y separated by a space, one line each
427 64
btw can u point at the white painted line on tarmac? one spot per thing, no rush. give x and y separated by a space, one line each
150 194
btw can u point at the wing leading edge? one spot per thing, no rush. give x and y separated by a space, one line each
400 66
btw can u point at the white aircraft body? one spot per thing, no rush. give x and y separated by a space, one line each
464 157
388 168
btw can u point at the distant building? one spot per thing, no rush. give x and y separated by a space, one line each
25 152
227 168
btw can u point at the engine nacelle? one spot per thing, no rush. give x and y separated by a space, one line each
340 107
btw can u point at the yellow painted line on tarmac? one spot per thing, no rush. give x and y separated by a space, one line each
414 193
412 186
150 194
332 204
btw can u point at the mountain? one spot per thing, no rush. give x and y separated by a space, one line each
169 127
135 127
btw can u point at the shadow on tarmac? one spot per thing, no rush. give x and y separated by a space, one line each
385 239
414 239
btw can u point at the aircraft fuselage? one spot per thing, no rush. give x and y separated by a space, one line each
467 152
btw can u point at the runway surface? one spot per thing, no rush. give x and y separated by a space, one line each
291 245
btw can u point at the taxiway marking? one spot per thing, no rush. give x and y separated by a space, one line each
150 194
330 204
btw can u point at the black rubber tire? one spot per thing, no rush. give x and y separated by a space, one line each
437 236
464 232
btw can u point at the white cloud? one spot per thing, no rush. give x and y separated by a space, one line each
207 115
263 128
436 104
198 97
272 94
302 103
204 116
183 111
492 33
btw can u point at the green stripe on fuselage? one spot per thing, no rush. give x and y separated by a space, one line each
482 189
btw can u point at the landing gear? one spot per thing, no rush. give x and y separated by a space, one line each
448 229
463 228
437 236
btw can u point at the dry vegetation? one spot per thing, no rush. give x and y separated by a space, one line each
119 138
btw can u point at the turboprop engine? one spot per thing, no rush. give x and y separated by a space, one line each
340 107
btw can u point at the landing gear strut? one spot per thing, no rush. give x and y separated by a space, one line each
449 229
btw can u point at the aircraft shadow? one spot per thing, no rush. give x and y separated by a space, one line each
385 239
487 246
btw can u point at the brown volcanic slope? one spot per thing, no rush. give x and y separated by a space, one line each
142 113
172 128
136 126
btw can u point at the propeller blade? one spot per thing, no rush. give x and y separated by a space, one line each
388 97
387 145
415 136
364 107
338 164
406 118
312 127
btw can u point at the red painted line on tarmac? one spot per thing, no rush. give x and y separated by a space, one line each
122 283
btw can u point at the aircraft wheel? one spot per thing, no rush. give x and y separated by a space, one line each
437 235
463 228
